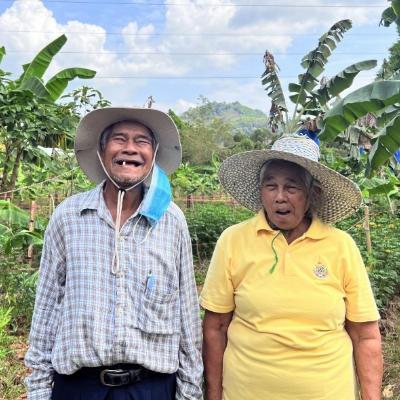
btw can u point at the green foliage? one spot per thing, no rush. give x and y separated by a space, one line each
29 116
239 136
207 221
201 180
391 14
203 134
5 339
178 121
307 99
264 136
382 263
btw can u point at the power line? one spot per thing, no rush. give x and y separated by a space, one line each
196 34
201 5
189 77
185 54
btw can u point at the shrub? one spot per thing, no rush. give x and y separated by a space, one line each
208 220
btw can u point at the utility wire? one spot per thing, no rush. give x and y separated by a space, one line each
199 5
195 34
184 54
190 77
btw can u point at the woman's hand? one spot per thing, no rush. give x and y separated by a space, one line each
367 348
215 328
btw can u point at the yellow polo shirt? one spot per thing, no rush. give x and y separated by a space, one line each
287 339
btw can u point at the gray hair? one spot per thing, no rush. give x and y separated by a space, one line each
314 187
105 134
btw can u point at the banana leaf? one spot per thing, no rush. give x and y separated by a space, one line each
370 98
5 231
376 185
21 238
342 81
42 60
2 53
57 84
17 216
35 86
315 61
388 17
386 143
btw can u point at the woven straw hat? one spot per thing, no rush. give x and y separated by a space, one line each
90 128
240 176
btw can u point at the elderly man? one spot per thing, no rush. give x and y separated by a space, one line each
116 313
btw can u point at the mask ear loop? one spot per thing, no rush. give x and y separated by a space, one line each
121 193
276 255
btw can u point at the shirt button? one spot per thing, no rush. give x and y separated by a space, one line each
120 310
117 347
121 275
287 255
121 238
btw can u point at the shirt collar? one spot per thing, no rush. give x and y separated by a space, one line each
317 229
95 199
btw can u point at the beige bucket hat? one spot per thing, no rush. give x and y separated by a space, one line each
90 128
240 176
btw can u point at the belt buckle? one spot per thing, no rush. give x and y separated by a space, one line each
105 371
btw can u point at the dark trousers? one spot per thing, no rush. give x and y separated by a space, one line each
73 387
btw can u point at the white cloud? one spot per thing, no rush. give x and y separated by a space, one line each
182 105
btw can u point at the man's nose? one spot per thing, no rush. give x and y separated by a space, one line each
130 147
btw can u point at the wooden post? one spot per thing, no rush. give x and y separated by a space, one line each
50 204
56 200
188 201
366 229
9 219
31 229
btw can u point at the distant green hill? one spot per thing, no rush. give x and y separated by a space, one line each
243 119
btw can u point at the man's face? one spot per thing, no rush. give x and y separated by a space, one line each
128 153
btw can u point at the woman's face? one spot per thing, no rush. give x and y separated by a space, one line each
284 194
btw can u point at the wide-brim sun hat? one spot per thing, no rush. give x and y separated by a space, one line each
240 176
91 126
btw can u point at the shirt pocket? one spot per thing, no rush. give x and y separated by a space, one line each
159 313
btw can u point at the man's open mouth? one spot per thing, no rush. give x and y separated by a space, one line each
128 162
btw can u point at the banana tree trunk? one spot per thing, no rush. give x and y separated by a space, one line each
14 174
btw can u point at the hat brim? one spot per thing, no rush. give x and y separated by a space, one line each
240 176
169 154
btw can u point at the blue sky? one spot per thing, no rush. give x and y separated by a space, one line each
199 31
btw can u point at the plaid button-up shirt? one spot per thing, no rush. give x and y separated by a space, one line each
86 317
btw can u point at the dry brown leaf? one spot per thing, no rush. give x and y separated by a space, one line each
388 392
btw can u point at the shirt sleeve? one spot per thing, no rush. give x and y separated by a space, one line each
360 302
49 295
218 291
190 370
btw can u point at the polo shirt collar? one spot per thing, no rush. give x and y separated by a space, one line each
317 229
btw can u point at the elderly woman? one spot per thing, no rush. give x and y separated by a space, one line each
288 301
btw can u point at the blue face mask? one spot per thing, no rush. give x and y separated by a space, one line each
158 197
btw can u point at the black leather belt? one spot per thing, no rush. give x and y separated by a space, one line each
116 375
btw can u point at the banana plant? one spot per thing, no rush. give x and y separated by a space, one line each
32 77
17 236
29 114
382 98
309 99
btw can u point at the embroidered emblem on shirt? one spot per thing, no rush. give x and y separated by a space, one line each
320 271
